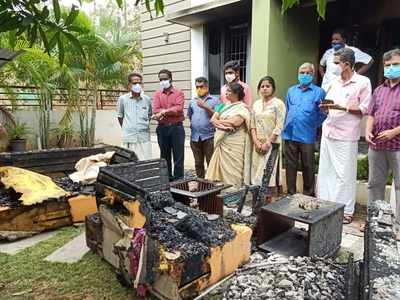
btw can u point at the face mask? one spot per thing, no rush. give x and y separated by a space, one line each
338 70
337 46
201 92
305 79
165 84
230 77
136 88
392 72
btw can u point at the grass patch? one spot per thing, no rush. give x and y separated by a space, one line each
27 276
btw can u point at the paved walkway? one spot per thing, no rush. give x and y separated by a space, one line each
71 252
17 246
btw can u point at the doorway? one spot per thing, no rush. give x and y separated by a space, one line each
227 41
370 25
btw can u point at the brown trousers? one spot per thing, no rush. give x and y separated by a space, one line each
293 151
201 150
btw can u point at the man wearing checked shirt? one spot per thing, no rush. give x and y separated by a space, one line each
383 134
134 113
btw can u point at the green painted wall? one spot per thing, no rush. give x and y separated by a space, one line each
280 43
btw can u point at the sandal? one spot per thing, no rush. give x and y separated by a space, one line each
347 219
362 227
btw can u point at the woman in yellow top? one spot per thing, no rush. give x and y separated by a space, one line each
231 162
266 125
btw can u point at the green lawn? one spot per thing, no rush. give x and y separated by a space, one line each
27 276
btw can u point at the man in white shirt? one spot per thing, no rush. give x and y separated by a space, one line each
327 67
134 113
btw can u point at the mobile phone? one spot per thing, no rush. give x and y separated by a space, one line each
326 101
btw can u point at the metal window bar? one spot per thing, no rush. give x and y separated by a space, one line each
29 97
236 46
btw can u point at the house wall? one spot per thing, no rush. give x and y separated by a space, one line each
280 43
158 53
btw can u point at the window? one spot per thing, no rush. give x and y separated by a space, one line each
226 41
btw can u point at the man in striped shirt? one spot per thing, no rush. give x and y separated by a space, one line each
134 113
383 134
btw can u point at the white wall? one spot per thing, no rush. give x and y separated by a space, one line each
197 47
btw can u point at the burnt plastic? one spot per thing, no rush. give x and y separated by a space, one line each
140 177
206 195
324 233
61 160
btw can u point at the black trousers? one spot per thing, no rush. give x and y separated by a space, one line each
201 150
305 152
171 140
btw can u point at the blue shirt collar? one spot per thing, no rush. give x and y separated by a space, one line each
207 98
311 86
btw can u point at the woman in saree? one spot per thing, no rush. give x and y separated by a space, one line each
266 125
230 162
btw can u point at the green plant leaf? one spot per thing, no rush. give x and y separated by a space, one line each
72 15
119 3
75 42
159 7
53 41
57 13
321 8
45 13
44 39
33 35
286 4
61 53
147 3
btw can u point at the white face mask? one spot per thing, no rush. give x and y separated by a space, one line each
165 84
230 77
337 70
136 88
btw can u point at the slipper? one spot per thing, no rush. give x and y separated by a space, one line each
347 219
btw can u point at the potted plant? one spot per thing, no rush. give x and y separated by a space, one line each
17 134
64 135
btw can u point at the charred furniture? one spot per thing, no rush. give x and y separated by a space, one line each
206 194
61 160
17 221
276 231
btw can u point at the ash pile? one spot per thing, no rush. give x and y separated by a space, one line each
272 276
8 199
246 218
74 187
182 229
381 256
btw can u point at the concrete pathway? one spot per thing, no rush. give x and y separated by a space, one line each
17 246
71 252
354 244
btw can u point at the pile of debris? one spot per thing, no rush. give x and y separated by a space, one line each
274 276
181 228
7 200
382 257
234 217
74 187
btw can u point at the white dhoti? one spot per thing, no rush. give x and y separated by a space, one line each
337 172
142 150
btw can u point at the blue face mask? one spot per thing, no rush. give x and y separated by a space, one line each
337 46
305 79
392 72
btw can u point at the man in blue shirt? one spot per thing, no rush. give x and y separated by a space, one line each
302 121
200 111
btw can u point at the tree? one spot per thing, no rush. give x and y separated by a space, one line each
42 22
105 65
321 6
